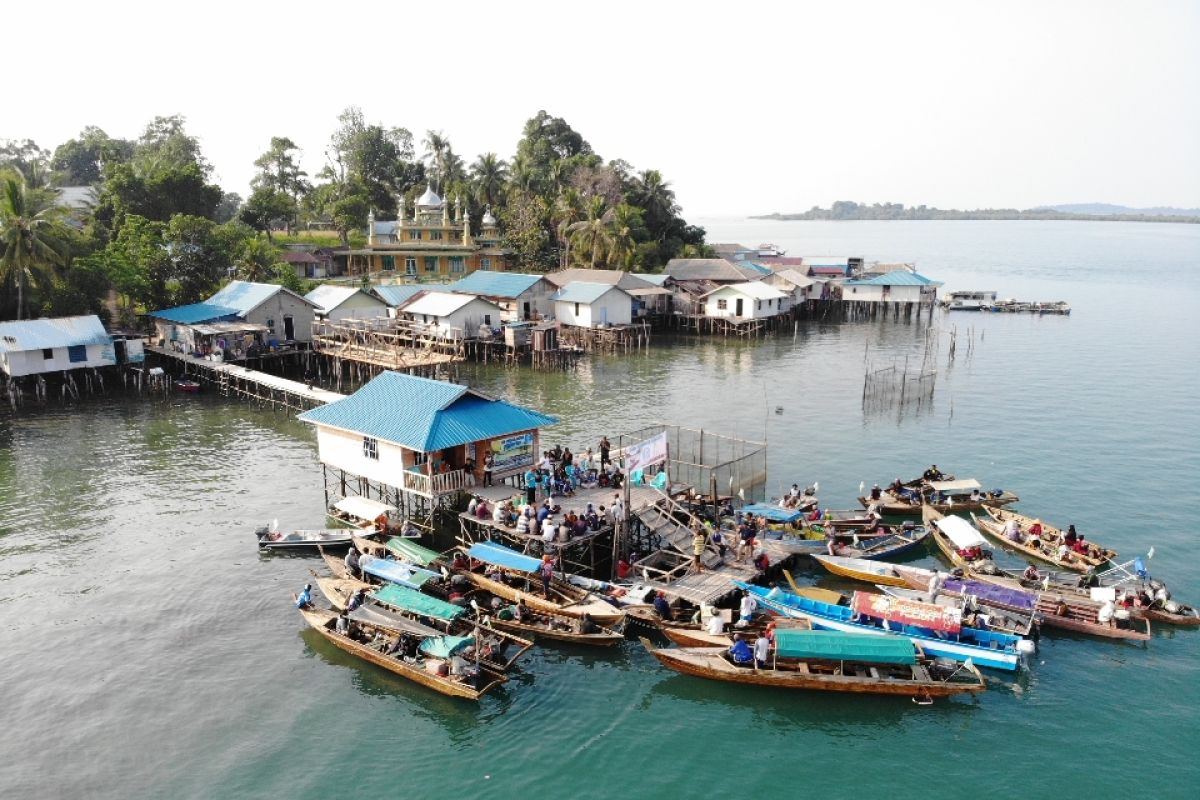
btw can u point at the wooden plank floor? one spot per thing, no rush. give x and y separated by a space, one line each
316 395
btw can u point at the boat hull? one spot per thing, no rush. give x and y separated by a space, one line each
885 576
600 611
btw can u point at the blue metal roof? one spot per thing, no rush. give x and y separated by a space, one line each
900 277
195 313
757 267
582 292
423 414
503 556
656 278
495 284
397 295
246 296
42 334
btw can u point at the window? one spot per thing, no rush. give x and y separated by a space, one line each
457 264
420 458
487 320
577 309
759 306
47 353
271 325
414 236
389 262
485 263
410 265
435 236
77 353
431 264
371 448
722 305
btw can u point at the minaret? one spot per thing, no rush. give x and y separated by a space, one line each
371 227
445 213
399 216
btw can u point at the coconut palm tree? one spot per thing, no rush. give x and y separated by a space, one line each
489 173
654 194
592 235
626 221
30 235
437 147
568 210
257 261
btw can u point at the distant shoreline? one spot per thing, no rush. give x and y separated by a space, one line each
890 212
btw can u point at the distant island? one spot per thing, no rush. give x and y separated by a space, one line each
1098 212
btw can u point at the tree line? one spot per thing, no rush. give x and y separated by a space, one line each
157 231
848 210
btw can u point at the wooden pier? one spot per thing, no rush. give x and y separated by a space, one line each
235 380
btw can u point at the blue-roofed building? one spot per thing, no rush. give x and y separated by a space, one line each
427 437
521 296
584 304
40 346
396 296
240 319
900 286
336 302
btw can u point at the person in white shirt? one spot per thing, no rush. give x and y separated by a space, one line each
747 608
716 625
762 650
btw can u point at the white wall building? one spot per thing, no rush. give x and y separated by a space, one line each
39 346
901 286
454 316
345 302
593 305
752 300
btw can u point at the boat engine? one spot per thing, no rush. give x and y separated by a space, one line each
1172 607
1026 647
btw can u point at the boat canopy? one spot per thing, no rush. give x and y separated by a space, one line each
959 531
409 550
772 512
990 593
391 621
362 507
445 646
955 487
415 602
837 646
396 572
908 612
502 556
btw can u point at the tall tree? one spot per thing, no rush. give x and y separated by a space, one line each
81 161
489 174
371 158
525 221
437 147
31 245
278 169
568 209
591 236
625 228
25 157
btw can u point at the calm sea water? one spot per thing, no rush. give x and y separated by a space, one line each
148 650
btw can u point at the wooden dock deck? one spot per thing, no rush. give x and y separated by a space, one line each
234 380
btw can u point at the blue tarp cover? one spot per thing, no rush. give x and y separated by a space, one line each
988 592
396 572
503 557
445 646
773 513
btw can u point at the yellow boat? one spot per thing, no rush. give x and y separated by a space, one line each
861 569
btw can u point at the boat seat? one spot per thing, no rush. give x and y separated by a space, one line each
920 673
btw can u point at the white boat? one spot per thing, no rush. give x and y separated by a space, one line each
971 300
270 538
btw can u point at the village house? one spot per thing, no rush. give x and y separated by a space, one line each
40 346
717 270
749 300
583 304
521 296
795 283
425 437
396 295
901 286
431 244
238 321
832 266
452 316
345 302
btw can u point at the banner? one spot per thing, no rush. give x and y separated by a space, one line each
512 452
644 454
908 612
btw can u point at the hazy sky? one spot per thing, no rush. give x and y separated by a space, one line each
745 107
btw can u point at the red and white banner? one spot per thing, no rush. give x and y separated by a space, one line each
908 612
647 453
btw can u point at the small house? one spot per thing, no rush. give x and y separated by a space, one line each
424 436
396 295
901 286
717 270
750 300
345 302
797 284
39 346
452 316
286 315
832 266
593 305
521 296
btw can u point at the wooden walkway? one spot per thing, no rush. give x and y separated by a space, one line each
233 380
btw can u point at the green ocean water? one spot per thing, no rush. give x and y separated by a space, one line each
148 650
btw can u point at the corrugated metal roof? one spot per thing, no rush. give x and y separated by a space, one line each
584 292
328 297
795 278
439 304
195 313
246 296
495 284
710 269
755 289
613 277
899 278
658 278
397 295
41 334
423 414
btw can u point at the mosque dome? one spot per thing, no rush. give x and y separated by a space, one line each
430 198
488 219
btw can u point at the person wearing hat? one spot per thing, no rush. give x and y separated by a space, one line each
876 492
663 607
304 599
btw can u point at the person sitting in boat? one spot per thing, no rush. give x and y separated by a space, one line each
762 651
1071 536
460 563
747 609
933 474
741 654
815 515
1080 545
663 607
351 562
587 625
624 568
976 497
876 492
1036 528
715 625
342 625
357 598
897 487
1031 574
1107 613
1012 531
523 520
304 599
761 560
1063 554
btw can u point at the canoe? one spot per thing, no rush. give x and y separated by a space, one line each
834 667
852 543
1004 619
987 648
301 539
861 569
1082 616
418 670
961 544
1051 538
546 625
689 634
956 494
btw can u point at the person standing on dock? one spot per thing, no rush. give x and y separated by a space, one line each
531 486
617 514
697 548
604 450
489 462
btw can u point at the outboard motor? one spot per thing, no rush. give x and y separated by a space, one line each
1026 647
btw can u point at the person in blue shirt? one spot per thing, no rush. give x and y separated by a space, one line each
304 599
663 607
741 653
531 484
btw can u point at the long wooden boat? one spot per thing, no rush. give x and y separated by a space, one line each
1048 542
990 649
301 539
945 496
861 569
688 634
515 577
961 544
1005 619
886 543
422 669
557 627
823 661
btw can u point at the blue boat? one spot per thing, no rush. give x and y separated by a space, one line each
396 571
986 648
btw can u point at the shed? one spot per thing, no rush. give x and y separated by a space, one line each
454 316
39 346
286 315
750 300
593 305
901 286
346 302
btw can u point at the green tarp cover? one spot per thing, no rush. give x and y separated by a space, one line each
409 550
445 646
837 646
413 601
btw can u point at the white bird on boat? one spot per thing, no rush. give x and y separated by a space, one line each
861 485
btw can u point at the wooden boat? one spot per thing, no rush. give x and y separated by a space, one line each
547 625
923 623
271 539
361 513
188 386
944 495
516 577
1050 541
886 542
976 611
861 569
961 544
1183 615
433 653
832 662
689 634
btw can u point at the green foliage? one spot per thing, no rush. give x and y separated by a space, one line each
526 220
268 208
31 162
285 275
32 246
81 289
371 160
81 161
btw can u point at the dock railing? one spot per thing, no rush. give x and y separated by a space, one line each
456 480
